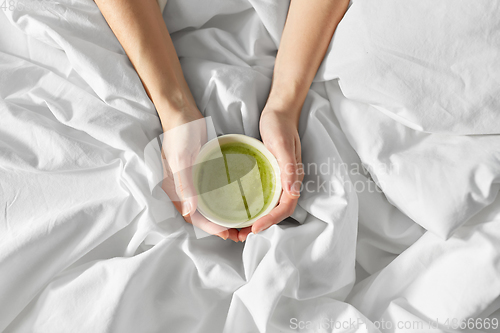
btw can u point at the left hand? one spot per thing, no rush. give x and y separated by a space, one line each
279 132
184 135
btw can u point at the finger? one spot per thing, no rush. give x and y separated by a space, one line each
300 165
172 188
169 185
287 162
284 209
201 222
185 190
233 235
178 169
243 233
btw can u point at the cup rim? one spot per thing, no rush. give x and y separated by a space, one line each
227 138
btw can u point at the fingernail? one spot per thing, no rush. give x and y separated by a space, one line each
256 231
223 233
186 208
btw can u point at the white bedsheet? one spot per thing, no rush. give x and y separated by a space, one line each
85 246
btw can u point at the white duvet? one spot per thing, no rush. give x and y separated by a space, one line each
409 90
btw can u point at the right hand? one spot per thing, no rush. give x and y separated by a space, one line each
181 145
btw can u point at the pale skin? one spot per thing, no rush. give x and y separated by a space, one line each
309 27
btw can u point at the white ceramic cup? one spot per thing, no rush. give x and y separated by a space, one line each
209 148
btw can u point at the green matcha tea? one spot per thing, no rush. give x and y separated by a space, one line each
237 186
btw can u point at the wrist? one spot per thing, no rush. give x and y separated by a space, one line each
174 104
175 100
285 115
287 96
286 106
174 112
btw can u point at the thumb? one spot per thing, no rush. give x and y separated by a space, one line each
289 168
185 190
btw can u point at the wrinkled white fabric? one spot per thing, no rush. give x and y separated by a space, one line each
86 246
439 282
432 66
438 191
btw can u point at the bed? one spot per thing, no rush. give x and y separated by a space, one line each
404 113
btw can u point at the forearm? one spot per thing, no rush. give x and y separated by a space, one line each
139 27
308 30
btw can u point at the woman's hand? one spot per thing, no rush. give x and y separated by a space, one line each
184 135
279 132
309 28
140 28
